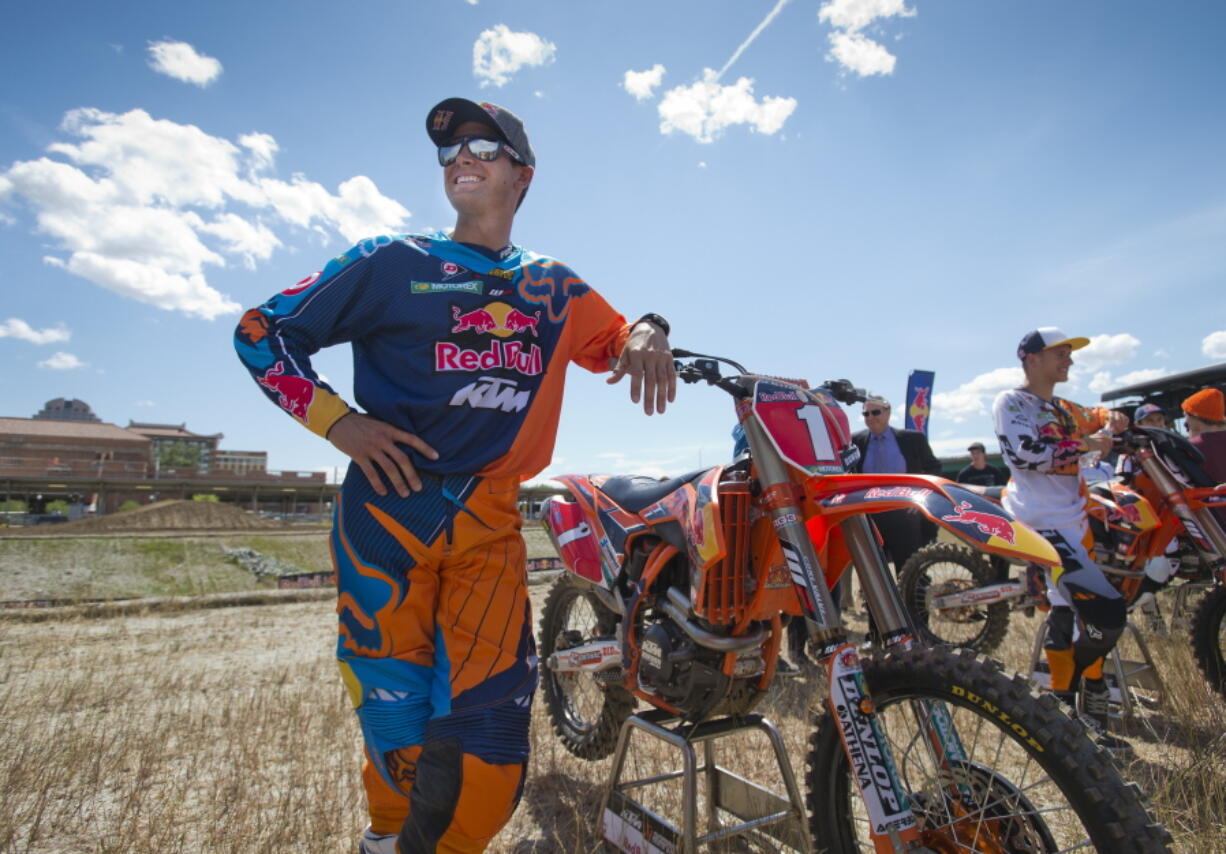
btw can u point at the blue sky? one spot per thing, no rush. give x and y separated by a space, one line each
854 188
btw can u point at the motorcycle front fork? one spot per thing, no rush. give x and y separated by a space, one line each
892 822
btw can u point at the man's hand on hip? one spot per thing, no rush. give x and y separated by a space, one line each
649 362
370 442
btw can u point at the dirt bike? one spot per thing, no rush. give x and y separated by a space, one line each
676 591
1162 512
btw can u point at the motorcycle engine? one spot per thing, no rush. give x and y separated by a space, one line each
688 675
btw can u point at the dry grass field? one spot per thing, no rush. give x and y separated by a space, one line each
227 731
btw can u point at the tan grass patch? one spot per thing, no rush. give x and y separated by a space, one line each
227 731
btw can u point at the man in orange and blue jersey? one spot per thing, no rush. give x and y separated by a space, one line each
460 346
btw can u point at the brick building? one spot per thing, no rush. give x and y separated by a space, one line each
49 447
167 439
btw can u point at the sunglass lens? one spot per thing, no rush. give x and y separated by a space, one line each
482 149
868 412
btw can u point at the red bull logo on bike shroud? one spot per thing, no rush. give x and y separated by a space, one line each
987 523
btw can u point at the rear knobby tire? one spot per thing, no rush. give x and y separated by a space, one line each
585 712
1209 637
944 567
1046 798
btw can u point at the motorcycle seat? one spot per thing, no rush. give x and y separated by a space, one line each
635 492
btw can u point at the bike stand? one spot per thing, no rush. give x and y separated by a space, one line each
771 819
1121 675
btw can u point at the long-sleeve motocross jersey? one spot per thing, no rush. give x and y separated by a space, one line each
462 346
1042 442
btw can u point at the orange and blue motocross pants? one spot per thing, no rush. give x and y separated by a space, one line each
436 652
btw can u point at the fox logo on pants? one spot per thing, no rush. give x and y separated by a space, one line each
294 393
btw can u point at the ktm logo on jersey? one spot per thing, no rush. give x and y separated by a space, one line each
492 393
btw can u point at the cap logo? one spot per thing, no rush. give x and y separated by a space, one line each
442 118
492 109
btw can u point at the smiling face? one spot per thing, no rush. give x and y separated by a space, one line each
478 187
1050 365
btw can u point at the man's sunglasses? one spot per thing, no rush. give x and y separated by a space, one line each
869 412
481 147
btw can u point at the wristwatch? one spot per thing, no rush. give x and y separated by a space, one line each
652 317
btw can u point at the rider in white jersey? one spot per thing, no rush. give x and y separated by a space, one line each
1042 438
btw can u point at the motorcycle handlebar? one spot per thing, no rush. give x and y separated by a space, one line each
706 368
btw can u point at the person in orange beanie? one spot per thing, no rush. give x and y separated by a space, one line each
1206 415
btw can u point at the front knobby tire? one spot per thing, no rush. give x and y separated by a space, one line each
943 568
586 713
1209 638
1037 782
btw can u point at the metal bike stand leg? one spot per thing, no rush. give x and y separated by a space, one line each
1141 674
774 820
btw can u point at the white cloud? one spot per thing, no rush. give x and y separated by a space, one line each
972 398
860 54
1214 345
704 109
145 205
1103 381
17 328
855 15
145 404
849 46
1142 376
1104 350
641 84
181 61
500 52
61 361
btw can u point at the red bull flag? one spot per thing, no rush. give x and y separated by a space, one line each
919 400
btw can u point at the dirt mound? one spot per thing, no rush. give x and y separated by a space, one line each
176 515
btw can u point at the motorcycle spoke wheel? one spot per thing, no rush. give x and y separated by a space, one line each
586 713
939 570
1031 780
1209 638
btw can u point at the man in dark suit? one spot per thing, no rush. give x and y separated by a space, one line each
885 450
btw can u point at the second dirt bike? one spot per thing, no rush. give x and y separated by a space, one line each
1162 513
677 591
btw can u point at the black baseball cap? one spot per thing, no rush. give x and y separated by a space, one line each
1044 338
976 446
447 115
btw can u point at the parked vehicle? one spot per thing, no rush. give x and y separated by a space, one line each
677 591
1162 513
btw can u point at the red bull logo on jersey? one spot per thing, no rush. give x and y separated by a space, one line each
495 318
294 393
987 523
512 355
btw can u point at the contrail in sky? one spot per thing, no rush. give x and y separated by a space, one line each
762 26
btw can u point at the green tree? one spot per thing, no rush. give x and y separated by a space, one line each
205 496
59 505
130 504
178 455
12 506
